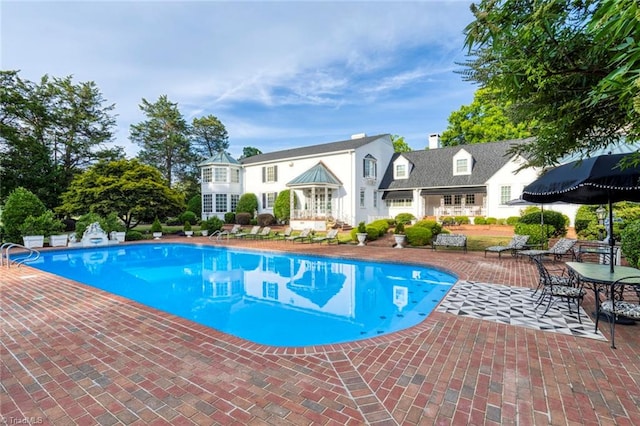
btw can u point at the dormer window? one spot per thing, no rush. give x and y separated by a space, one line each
369 167
401 168
462 163
401 171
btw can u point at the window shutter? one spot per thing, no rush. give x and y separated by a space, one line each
264 200
275 173
264 172
364 167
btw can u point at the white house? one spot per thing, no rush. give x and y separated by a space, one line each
361 179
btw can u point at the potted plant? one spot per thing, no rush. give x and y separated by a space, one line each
399 235
35 228
361 234
187 229
156 229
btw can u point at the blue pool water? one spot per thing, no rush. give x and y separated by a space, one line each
269 298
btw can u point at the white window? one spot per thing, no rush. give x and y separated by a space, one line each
235 175
220 174
270 174
401 171
206 174
462 166
505 194
269 199
457 199
447 200
207 203
221 203
400 203
362 198
370 167
234 202
470 199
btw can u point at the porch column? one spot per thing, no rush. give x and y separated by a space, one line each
291 212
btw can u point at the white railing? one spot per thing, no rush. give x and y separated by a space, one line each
471 211
5 259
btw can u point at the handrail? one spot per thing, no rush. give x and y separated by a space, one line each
4 254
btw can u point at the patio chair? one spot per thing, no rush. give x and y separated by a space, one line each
517 242
618 303
228 233
562 247
332 235
265 233
564 286
254 231
303 235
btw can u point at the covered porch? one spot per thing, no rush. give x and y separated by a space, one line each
455 201
318 204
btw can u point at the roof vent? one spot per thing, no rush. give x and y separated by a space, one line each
359 136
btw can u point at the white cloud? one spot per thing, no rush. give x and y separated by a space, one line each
217 57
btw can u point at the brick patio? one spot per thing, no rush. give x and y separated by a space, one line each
72 354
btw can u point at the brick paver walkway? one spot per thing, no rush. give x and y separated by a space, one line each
72 354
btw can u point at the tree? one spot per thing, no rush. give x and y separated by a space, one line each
573 65
21 204
399 144
282 205
249 151
163 138
484 120
248 203
209 136
134 191
57 127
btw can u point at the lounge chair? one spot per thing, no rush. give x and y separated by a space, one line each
228 233
563 247
303 235
518 242
265 233
332 235
254 231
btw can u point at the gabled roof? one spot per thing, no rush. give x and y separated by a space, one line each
219 158
433 168
316 175
305 151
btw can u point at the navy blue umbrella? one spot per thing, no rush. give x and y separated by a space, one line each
595 180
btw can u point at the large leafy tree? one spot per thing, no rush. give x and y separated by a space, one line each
399 144
486 119
573 65
164 139
55 127
134 191
208 136
249 151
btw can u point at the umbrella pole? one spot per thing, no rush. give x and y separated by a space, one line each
612 241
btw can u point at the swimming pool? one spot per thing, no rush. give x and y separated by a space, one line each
269 298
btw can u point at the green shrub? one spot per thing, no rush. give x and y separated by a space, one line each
399 230
195 205
448 221
243 218
373 233
248 203
156 226
187 225
362 228
230 217
630 243
512 220
212 224
585 215
405 218
536 233
382 225
188 216
418 236
480 220
265 219
462 220
282 205
557 220
491 221
45 224
85 220
21 203
134 236
434 227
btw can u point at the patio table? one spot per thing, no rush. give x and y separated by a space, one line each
596 276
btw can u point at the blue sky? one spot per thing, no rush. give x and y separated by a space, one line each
277 74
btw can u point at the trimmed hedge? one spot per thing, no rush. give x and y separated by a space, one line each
418 236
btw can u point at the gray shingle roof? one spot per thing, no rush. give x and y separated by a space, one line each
311 150
433 168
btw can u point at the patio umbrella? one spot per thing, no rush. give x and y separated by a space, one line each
596 180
